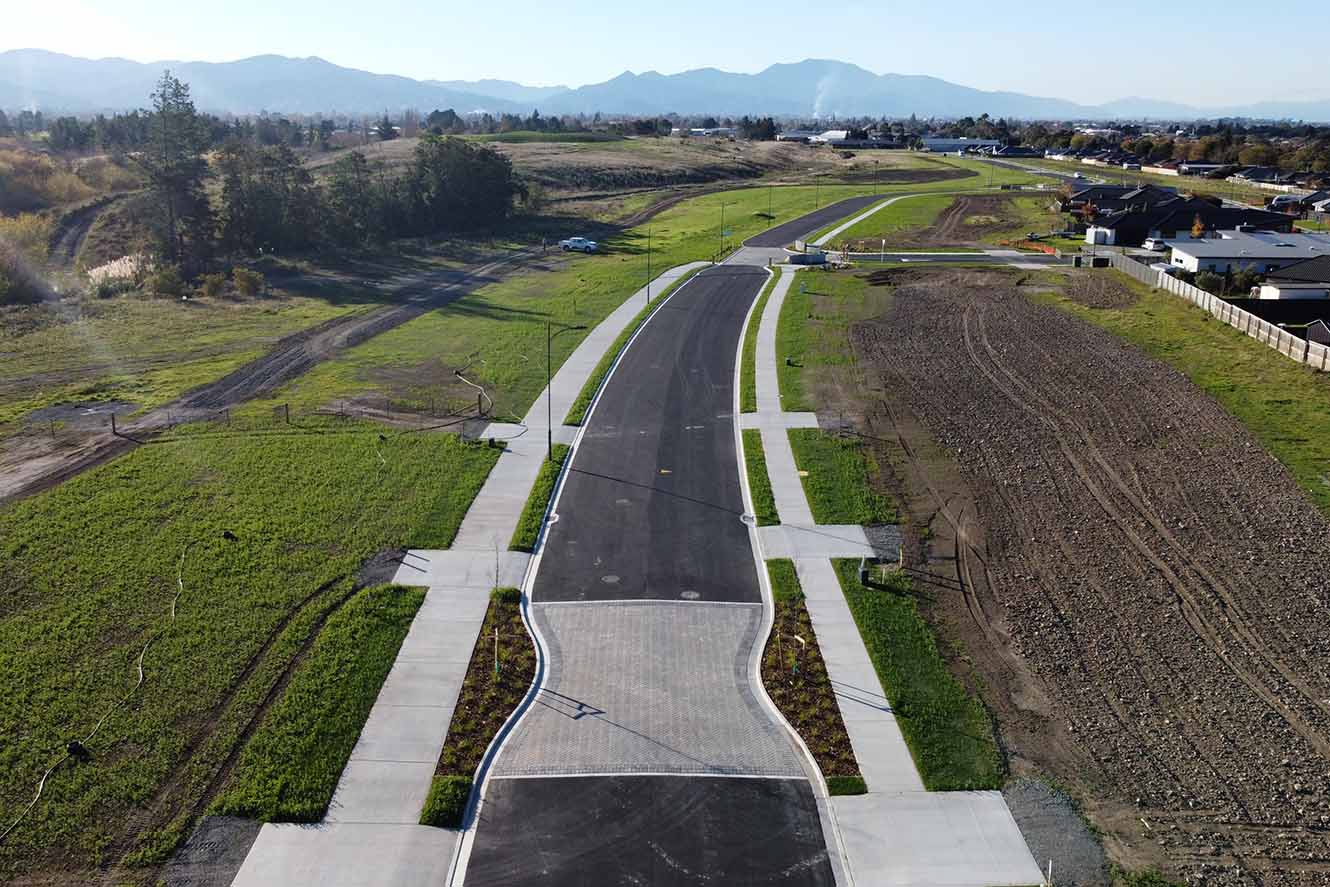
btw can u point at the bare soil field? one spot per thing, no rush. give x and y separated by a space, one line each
1139 586
963 224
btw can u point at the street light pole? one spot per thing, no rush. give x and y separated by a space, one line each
648 266
550 333
874 177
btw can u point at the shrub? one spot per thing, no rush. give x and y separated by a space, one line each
446 804
29 234
166 281
211 286
1210 282
248 283
506 595
109 287
19 284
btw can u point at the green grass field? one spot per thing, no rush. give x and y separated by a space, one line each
748 358
291 765
143 350
908 214
89 577
837 479
947 730
1285 406
759 482
533 514
577 412
792 343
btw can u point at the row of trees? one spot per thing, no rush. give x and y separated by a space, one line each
269 201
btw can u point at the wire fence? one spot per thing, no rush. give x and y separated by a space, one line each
62 425
1294 347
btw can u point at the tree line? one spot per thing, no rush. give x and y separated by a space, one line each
269 201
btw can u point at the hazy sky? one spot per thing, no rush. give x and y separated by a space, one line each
1212 53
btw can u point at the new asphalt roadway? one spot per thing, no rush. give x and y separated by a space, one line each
647 758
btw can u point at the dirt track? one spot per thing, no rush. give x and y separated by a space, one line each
951 229
73 228
29 464
1146 587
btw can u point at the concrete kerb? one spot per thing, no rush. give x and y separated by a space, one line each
461 856
830 825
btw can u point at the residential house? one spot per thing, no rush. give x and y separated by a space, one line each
1264 252
1170 219
1308 279
951 146
1318 331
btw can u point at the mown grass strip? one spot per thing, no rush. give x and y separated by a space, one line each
785 586
759 482
446 804
836 474
290 767
577 412
1284 405
793 340
748 367
948 732
796 679
533 515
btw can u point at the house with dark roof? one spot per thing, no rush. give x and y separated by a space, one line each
1111 198
1170 219
1308 279
1318 331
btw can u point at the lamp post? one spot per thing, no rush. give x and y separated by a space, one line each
550 333
648 266
722 226
875 177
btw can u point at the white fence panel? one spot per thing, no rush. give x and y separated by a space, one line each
1287 344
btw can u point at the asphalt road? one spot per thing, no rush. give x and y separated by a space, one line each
651 508
814 221
657 830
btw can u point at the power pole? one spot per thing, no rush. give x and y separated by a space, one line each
648 266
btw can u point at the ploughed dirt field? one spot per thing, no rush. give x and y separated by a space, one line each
965 223
1141 589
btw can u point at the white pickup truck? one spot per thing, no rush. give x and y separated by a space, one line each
579 244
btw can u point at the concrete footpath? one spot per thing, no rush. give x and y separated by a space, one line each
371 834
897 834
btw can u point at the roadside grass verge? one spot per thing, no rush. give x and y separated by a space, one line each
748 367
577 412
487 698
1284 405
533 515
291 764
837 479
792 335
89 576
795 676
948 732
759 482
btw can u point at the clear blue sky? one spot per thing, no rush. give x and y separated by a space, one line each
1211 53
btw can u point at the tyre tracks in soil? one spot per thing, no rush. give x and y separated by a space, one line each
1188 602
1105 429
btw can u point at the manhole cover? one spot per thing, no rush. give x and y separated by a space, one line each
748 519
610 579
689 595
622 501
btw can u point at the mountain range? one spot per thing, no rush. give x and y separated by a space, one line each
52 82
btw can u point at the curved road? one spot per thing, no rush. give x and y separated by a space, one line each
646 757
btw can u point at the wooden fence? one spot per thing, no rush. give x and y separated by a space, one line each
1314 355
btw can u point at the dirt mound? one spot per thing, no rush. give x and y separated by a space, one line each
1159 573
